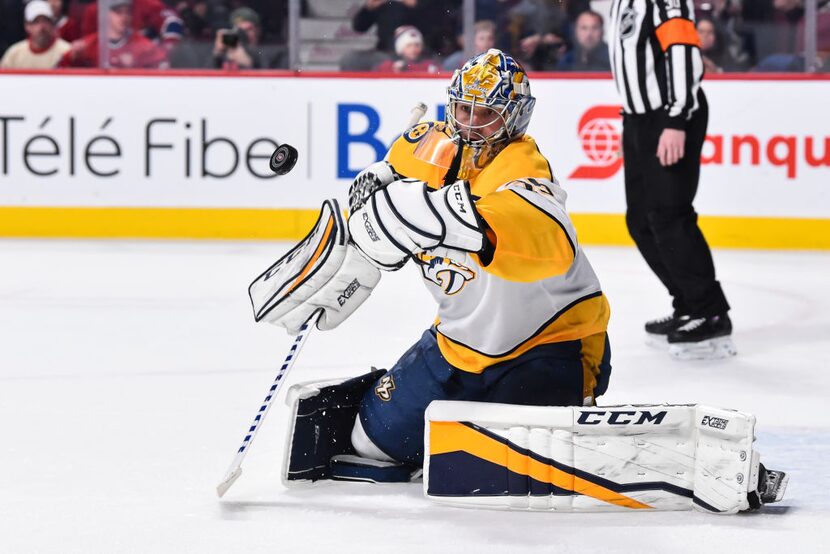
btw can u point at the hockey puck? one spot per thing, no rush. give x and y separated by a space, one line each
283 159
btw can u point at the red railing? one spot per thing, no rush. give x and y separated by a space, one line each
271 74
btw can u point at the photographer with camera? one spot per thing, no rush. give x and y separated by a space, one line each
238 47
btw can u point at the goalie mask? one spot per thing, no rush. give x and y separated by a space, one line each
488 105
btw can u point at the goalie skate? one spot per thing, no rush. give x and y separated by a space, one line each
776 485
772 485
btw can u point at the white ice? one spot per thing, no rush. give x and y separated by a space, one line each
129 372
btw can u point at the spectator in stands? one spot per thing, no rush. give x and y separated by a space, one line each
409 47
238 47
484 38
66 27
716 57
711 45
439 22
388 16
733 36
273 15
590 53
43 49
151 18
69 18
546 29
202 18
241 46
543 51
794 61
11 16
788 14
773 25
127 48
822 37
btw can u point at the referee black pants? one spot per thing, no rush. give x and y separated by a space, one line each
660 216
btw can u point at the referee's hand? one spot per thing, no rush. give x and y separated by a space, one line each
670 148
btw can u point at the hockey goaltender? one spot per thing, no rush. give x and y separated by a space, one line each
496 402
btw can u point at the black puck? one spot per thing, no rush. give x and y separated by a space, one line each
283 159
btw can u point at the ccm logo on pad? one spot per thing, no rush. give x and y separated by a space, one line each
459 198
638 417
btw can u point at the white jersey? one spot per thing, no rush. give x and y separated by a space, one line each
21 56
537 286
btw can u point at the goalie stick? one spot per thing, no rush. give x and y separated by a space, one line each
235 469
417 112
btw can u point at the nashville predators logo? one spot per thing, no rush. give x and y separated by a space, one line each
385 387
417 132
481 79
444 272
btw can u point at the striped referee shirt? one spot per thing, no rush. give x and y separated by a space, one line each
655 57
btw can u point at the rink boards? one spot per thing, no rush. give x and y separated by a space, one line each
186 155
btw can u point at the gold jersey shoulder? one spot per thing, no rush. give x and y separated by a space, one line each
402 155
521 159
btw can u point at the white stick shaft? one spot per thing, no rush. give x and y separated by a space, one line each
418 111
235 469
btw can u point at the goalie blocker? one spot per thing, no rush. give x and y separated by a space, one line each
564 459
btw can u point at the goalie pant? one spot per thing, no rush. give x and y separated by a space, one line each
390 424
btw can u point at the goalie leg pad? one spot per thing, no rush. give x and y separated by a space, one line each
590 459
321 426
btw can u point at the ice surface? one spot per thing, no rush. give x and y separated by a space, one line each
129 372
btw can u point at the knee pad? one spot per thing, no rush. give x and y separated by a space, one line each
320 435
364 445
323 415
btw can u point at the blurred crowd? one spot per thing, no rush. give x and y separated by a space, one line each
411 35
146 34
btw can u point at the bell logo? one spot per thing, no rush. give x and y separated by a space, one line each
599 130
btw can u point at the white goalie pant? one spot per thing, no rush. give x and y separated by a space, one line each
575 459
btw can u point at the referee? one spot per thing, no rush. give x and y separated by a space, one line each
657 67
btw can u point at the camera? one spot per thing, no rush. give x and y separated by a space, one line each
232 37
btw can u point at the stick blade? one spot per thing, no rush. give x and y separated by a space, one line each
228 482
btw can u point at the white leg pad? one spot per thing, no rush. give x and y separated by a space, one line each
574 459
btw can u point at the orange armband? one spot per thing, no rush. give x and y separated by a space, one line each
677 31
